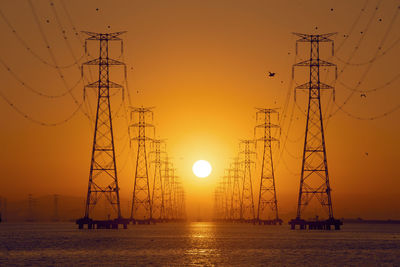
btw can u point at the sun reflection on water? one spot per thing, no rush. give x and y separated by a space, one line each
202 249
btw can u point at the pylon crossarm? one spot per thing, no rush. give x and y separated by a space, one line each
307 86
100 36
267 125
314 63
103 61
139 124
314 37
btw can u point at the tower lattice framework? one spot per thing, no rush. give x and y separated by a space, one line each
141 209
157 198
267 210
247 210
103 179
227 182
314 179
236 193
168 205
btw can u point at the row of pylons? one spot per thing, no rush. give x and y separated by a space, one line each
234 199
234 195
159 200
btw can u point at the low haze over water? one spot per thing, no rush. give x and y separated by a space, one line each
198 244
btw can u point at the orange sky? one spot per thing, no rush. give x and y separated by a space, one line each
203 65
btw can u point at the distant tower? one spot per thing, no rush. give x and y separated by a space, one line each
182 207
55 214
172 185
315 191
103 180
227 182
141 204
247 211
218 203
267 211
236 194
167 189
157 199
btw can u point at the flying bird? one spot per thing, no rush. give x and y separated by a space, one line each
271 74
363 95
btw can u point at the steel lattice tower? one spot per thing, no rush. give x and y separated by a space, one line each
222 199
172 184
314 180
167 190
236 193
157 199
217 204
141 210
182 208
103 180
227 182
267 211
247 210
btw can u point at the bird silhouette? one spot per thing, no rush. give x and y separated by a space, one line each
363 95
271 74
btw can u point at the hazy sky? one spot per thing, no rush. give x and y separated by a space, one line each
203 65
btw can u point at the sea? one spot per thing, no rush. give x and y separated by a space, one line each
198 244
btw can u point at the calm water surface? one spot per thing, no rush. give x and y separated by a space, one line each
198 244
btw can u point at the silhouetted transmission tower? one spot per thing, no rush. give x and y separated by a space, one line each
103 180
167 189
157 198
267 212
141 211
227 185
236 193
315 190
247 211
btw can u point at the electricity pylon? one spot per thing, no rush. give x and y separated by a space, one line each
157 199
227 182
314 180
103 179
247 211
236 193
181 203
172 185
217 204
167 189
141 211
267 210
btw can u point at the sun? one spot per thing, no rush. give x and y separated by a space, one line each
202 168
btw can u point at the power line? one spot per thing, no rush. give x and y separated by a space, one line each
377 55
42 123
374 117
52 55
353 26
364 75
76 62
37 92
381 43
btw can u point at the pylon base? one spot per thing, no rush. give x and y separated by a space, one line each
315 224
102 224
269 222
